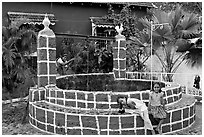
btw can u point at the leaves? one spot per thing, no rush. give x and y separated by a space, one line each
175 17
136 42
16 42
8 55
194 57
189 26
138 51
87 56
124 17
183 45
146 23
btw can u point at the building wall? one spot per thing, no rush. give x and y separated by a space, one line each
72 17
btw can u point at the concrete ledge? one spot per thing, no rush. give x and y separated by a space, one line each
60 120
98 99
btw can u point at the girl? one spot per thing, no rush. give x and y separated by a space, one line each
136 106
156 105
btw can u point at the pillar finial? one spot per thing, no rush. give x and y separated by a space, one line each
46 21
119 29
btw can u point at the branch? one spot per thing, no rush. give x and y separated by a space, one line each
145 59
162 62
175 69
198 5
178 59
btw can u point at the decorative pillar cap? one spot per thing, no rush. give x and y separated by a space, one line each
46 21
46 31
119 29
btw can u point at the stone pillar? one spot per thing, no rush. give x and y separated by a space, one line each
119 55
46 55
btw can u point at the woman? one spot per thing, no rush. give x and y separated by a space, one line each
156 105
137 106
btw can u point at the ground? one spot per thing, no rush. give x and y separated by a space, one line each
12 122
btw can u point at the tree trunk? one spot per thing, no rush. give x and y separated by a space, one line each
25 113
169 77
10 98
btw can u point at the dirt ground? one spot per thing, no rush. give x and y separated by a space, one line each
12 118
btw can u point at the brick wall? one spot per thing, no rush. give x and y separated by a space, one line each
55 120
46 51
119 57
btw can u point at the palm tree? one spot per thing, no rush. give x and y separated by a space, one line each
168 40
16 42
138 52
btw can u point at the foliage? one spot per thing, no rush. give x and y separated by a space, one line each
179 27
194 56
125 17
86 56
195 7
16 42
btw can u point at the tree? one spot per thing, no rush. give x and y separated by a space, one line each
16 42
195 7
138 52
169 39
125 17
85 56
